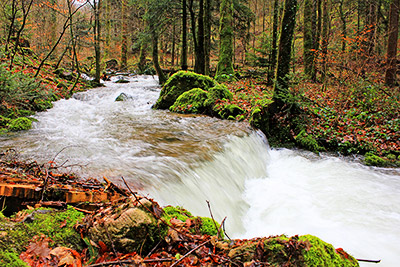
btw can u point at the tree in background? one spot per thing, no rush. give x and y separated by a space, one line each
390 77
225 64
281 88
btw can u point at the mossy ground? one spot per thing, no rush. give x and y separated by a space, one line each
56 225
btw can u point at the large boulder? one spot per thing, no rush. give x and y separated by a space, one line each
181 82
191 101
128 227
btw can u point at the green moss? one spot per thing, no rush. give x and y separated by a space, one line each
230 111
4 121
42 104
20 124
374 160
176 212
322 254
11 259
208 227
179 83
225 63
308 142
57 225
190 102
203 225
218 92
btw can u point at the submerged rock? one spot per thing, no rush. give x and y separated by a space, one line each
122 97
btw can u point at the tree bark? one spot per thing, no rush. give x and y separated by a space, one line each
161 76
124 37
199 65
390 77
97 36
274 46
281 88
184 53
225 65
207 36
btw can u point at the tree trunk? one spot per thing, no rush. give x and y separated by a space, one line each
309 42
325 37
274 46
124 33
391 70
199 65
207 36
184 53
161 76
225 65
97 35
281 88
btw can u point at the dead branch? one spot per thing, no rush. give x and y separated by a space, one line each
212 217
190 252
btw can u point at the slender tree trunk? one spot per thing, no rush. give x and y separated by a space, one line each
274 48
284 54
184 53
207 36
309 35
344 25
75 54
124 33
225 65
97 36
142 57
325 37
12 19
107 18
173 44
390 78
199 66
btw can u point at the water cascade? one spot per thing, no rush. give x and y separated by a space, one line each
186 160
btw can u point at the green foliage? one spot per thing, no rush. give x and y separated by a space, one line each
20 124
208 227
323 254
57 225
190 102
4 121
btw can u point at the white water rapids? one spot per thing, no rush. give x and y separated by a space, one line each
185 160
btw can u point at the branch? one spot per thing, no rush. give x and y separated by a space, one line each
190 252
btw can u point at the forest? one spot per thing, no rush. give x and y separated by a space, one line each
333 62
318 75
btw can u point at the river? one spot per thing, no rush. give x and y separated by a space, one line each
186 160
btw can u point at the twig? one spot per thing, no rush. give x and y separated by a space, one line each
128 262
373 261
223 226
212 217
84 211
44 185
190 252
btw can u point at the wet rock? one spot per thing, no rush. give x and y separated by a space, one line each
122 79
122 97
128 227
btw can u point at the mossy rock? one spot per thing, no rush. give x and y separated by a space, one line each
230 112
259 117
218 92
191 101
308 142
324 254
374 160
181 82
305 250
20 124
38 222
128 228
4 121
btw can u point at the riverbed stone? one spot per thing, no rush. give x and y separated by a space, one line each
128 227
181 82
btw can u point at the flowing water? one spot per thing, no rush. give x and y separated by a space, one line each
186 160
